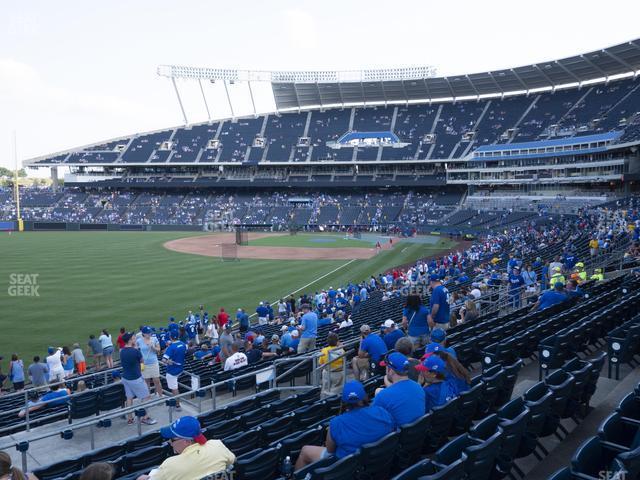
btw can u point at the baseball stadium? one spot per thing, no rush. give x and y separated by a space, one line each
391 274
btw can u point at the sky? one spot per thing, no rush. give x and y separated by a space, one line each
74 72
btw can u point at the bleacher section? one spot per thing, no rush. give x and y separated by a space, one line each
458 127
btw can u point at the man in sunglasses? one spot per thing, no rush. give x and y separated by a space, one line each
195 456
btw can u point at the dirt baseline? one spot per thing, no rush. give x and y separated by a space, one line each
210 246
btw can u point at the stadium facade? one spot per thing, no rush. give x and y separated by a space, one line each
567 127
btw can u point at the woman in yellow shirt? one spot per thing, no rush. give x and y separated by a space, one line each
332 376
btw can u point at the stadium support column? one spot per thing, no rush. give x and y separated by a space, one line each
226 89
204 99
253 104
54 179
175 87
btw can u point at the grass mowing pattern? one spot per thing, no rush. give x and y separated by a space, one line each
93 280
310 240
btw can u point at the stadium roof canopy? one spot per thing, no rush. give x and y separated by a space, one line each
295 90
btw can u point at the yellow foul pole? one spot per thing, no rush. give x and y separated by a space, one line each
16 186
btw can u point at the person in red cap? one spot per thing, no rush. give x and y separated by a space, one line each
196 457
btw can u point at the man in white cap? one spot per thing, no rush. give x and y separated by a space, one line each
391 334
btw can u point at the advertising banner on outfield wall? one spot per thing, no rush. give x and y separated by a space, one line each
7 226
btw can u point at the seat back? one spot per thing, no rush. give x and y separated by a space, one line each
310 414
291 445
222 429
59 469
481 457
104 454
258 466
618 434
427 470
255 418
111 397
561 383
377 458
85 405
241 407
145 459
148 440
343 469
589 458
268 397
412 438
215 416
242 442
468 407
441 424
630 461
310 396
277 428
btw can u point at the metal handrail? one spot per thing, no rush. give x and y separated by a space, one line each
63 382
155 402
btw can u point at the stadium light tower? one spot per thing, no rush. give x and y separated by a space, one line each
297 84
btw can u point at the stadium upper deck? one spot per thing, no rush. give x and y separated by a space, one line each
444 128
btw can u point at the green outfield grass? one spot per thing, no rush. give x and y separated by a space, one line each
314 240
93 280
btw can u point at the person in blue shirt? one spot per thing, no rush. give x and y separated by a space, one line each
439 337
372 349
358 425
550 297
544 277
285 338
174 359
324 320
364 294
516 283
402 398
437 390
263 314
173 326
243 320
439 305
391 334
295 341
573 290
454 373
192 331
309 329
55 398
414 318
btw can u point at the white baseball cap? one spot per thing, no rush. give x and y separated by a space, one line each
389 323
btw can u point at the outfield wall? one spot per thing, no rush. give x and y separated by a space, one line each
112 227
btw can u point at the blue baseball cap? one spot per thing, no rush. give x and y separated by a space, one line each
397 362
353 392
175 335
433 347
51 350
116 374
434 277
431 364
438 335
146 330
187 428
